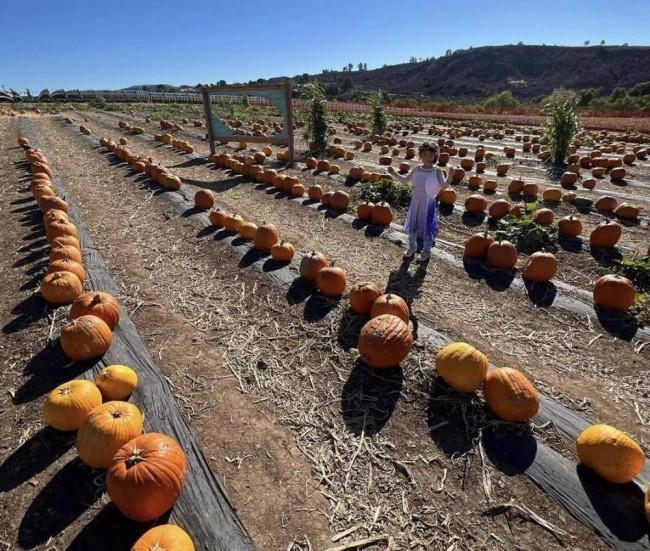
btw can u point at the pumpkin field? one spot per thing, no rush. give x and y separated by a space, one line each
247 333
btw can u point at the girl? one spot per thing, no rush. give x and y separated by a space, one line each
421 219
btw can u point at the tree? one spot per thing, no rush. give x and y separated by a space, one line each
587 42
365 66
447 52
347 84
222 83
350 66
502 99
561 125
360 66
413 59
618 93
588 95
602 42
378 114
316 129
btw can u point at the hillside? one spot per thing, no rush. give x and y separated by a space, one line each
528 71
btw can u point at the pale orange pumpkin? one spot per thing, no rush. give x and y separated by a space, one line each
331 280
384 341
66 406
60 287
96 303
165 537
282 251
510 395
362 296
116 382
614 292
390 303
266 236
105 430
311 264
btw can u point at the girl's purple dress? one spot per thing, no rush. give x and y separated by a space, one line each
422 216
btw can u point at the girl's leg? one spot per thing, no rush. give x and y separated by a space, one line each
428 244
413 245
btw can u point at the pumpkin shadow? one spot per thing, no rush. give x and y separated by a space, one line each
350 328
208 230
571 244
605 256
454 419
192 211
497 280
369 398
251 257
618 506
47 369
299 291
190 162
445 210
319 306
622 325
541 294
30 310
271 265
22 201
510 448
67 495
36 454
110 530
473 219
34 256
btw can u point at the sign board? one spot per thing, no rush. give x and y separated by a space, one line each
226 105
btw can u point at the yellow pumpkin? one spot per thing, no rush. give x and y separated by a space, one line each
116 382
462 366
67 405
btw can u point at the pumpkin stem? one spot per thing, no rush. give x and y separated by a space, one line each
134 459
97 299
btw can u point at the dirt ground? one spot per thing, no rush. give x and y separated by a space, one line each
307 443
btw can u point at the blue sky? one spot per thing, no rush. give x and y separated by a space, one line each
110 45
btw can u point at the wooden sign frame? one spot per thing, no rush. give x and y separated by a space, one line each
251 90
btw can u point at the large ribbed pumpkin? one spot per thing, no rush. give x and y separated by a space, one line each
60 287
384 341
58 228
614 292
477 245
96 303
462 366
68 252
68 266
85 337
611 453
331 281
510 395
606 234
266 236
105 430
502 255
541 267
146 476
166 537
67 405
311 264
362 296
390 304
116 382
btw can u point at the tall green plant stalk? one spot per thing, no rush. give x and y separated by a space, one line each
378 115
561 126
316 129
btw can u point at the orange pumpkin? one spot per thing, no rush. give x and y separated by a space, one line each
606 234
362 296
315 193
462 366
311 264
364 211
382 214
502 255
384 341
627 212
331 281
569 226
67 252
606 204
66 240
247 230
611 453
165 537
390 304
477 245
614 292
265 237
85 337
541 267
116 382
340 200
544 217
476 203
146 476
96 303
60 287
233 222
67 405
204 199
282 251
499 209
510 395
50 202
218 218
66 265
60 227
105 430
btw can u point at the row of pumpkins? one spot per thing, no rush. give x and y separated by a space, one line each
385 340
109 428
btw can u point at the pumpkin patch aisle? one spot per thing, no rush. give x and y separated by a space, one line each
385 445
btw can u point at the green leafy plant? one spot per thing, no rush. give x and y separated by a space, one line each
525 233
637 270
316 129
395 194
378 114
561 125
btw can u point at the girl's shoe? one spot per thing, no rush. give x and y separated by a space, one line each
410 253
424 256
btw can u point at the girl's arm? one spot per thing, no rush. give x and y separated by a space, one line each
403 179
444 179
